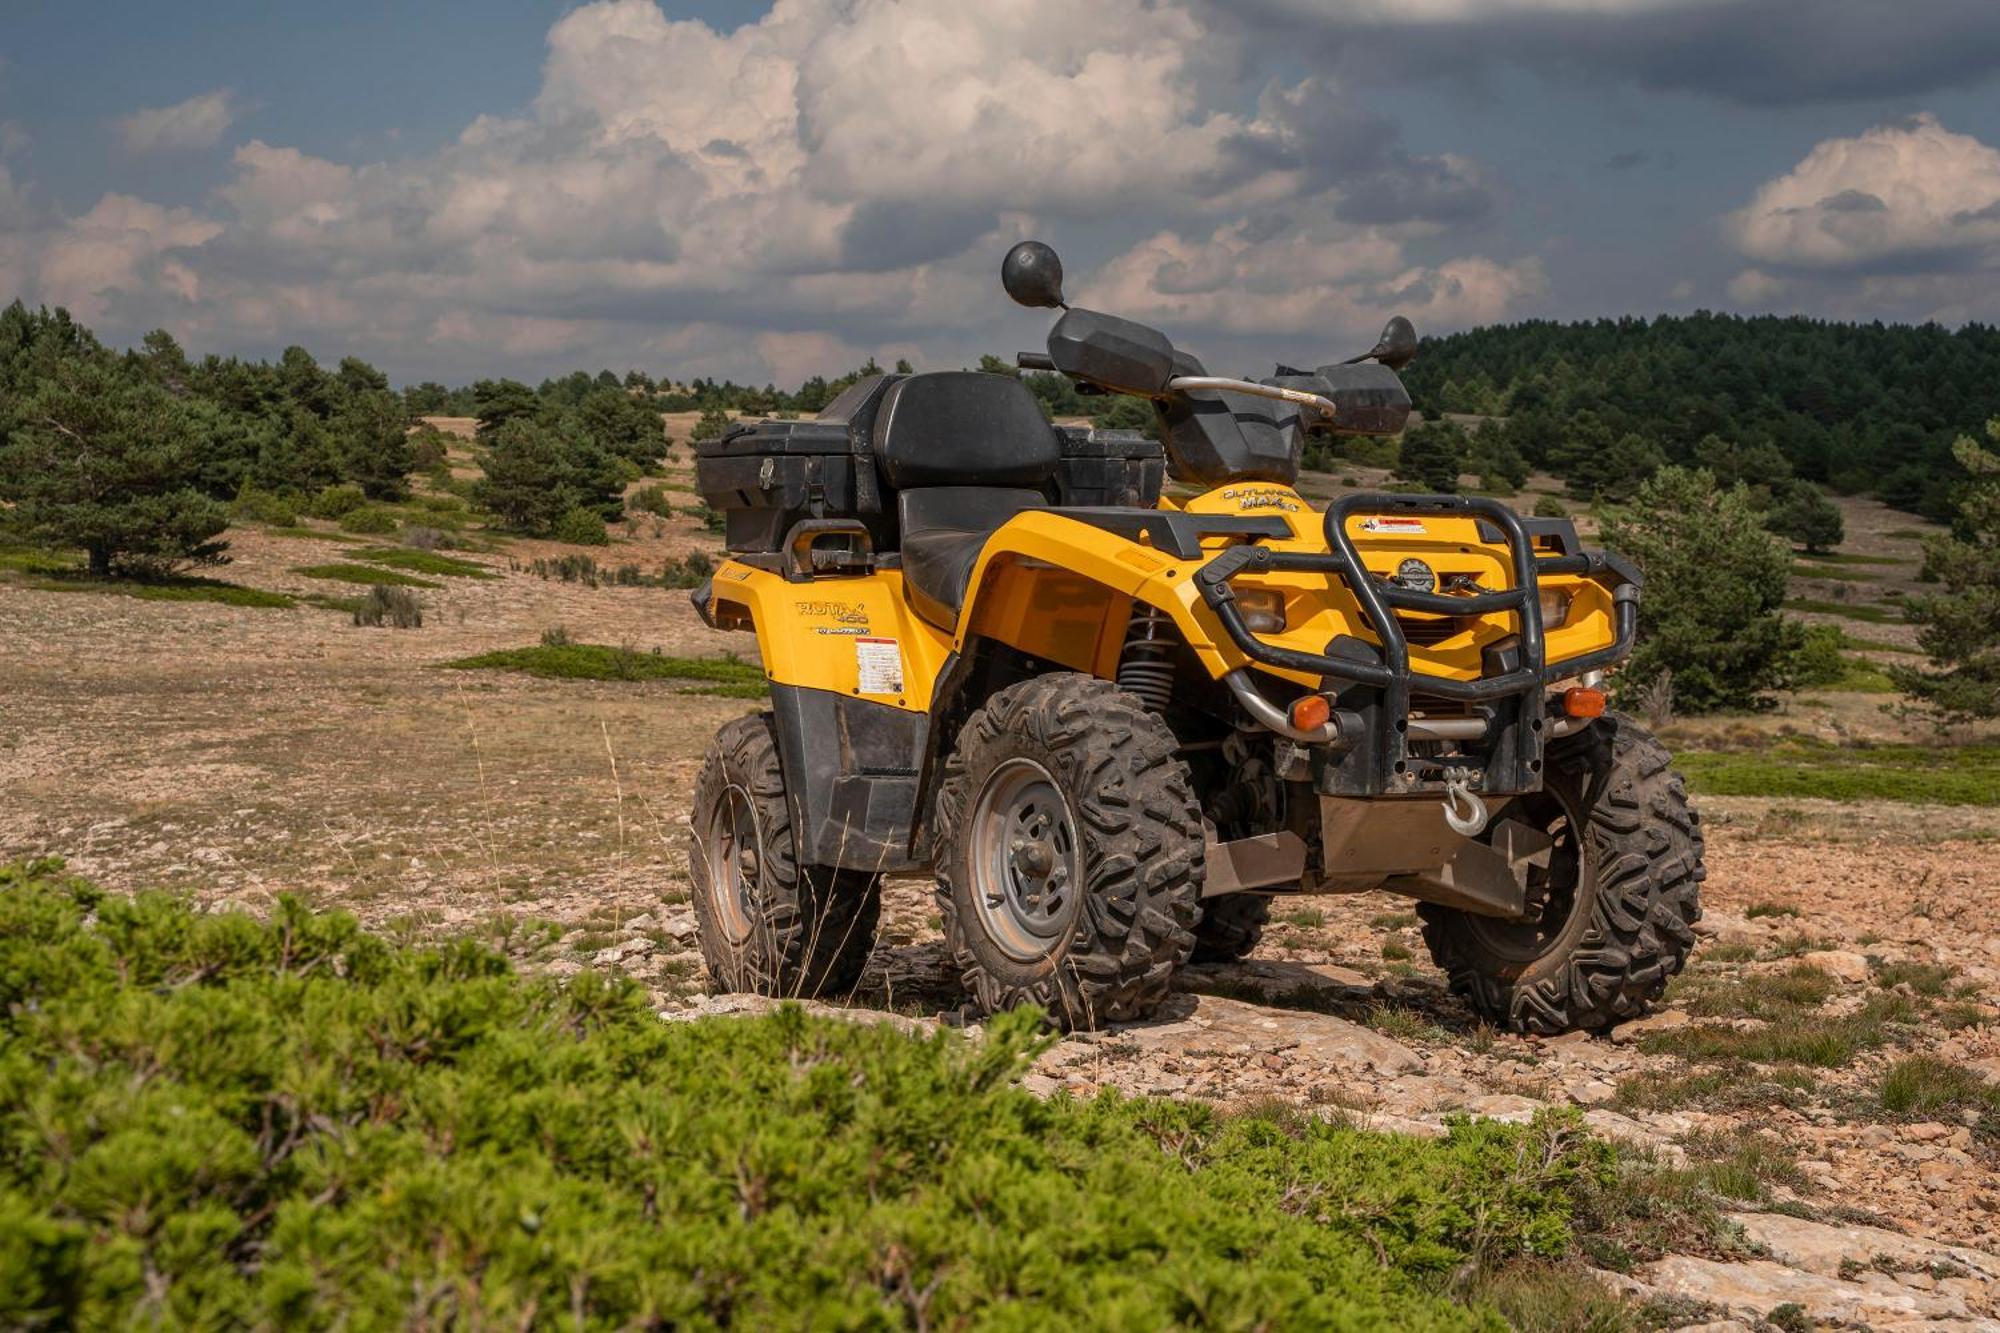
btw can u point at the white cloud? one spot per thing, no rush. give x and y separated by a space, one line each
829 179
1914 191
1462 11
1319 279
1902 220
199 122
123 245
1755 288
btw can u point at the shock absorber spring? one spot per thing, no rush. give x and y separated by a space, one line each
1146 666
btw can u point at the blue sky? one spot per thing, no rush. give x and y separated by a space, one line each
457 189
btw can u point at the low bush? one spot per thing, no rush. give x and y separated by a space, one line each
371 521
207 1120
390 608
1934 774
558 658
1925 1085
336 501
580 527
650 500
254 506
364 574
686 572
424 562
174 590
1795 1038
1871 612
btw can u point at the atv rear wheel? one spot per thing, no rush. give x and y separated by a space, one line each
1072 852
1613 912
1231 925
768 924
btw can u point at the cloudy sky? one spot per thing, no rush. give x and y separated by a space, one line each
762 190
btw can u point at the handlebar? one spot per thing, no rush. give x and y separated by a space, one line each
1321 405
1034 361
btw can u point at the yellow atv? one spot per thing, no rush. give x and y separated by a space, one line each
1112 726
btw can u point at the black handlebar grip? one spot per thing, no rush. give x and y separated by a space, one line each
1034 361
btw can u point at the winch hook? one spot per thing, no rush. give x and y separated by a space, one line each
1464 813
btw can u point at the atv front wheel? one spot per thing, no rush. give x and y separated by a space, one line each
1611 916
768 924
1072 865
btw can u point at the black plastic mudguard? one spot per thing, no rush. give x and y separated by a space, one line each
852 769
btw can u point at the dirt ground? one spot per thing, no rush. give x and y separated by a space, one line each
239 753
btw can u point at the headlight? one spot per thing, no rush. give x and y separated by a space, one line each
1263 609
1555 606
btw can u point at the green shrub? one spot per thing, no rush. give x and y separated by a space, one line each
1935 774
363 574
650 500
254 506
173 590
1928 1086
336 501
429 448
558 657
1547 506
393 608
580 527
425 562
210 1121
371 521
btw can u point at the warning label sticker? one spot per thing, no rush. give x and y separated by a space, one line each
879 663
1409 526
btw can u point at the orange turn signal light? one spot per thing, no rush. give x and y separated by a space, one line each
1310 711
1583 701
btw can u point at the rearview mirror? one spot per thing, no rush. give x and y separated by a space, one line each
1396 348
1032 275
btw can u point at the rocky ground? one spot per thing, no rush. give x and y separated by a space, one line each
1826 1068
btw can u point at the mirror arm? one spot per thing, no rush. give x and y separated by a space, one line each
1187 383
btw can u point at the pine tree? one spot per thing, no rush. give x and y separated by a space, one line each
1715 581
97 458
713 422
1432 455
1960 627
1803 515
536 474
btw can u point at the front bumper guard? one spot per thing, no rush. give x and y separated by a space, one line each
1515 734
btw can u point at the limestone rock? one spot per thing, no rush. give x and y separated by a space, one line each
1840 964
1820 1247
1216 1023
1753 1289
1664 1021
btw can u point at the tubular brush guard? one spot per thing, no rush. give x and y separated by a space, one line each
1381 764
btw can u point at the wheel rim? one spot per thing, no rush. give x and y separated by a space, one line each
1554 895
1026 883
733 862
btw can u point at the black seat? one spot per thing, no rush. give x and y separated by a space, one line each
944 530
966 451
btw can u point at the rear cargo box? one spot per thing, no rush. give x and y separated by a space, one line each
1109 467
764 476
